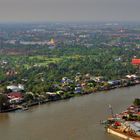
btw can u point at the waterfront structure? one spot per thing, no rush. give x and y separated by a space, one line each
126 124
121 135
136 62
15 88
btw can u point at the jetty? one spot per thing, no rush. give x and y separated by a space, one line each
123 135
126 124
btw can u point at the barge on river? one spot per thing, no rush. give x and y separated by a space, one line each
123 135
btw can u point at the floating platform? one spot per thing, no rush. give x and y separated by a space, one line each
122 135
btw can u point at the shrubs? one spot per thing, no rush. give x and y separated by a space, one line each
137 102
4 104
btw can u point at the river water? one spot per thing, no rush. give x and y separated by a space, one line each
74 119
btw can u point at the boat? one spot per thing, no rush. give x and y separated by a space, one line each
130 135
118 125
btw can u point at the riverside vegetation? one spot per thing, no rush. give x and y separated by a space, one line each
84 59
65 72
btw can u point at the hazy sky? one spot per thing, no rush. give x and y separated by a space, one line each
69 10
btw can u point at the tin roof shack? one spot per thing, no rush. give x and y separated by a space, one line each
135 126
53 96
114 83
78 90
15 88
15 97
133 78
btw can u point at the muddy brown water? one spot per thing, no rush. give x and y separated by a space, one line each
75 119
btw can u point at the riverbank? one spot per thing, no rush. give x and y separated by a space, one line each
56 97
80 116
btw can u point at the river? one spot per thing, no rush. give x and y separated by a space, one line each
74 119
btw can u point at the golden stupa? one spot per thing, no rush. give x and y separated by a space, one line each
52 42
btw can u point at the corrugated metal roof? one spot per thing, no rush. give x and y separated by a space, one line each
135 61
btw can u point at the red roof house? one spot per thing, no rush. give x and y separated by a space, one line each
15 95
135 61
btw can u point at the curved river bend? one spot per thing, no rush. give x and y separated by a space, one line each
74 119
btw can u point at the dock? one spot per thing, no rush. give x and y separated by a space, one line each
121 134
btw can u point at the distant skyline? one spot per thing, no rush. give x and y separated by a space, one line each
69 10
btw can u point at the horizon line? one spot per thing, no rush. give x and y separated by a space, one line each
82 21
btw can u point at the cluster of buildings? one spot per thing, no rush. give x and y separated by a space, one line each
41 43
15 93
125 124
81 84
86 35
